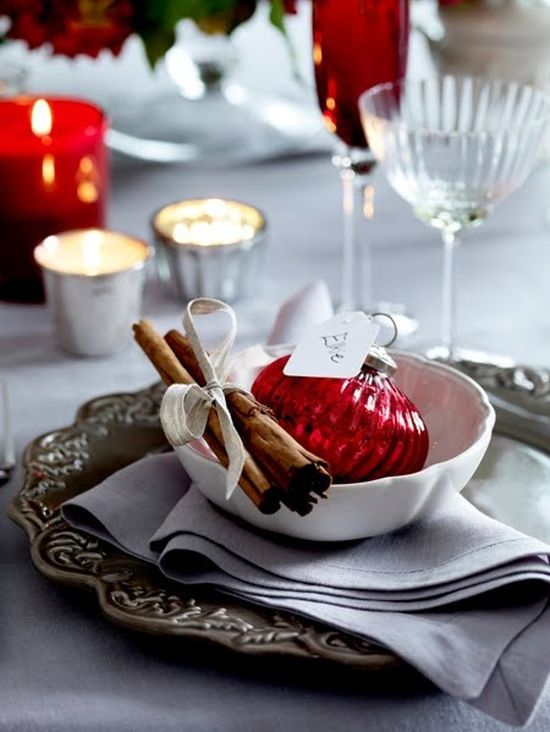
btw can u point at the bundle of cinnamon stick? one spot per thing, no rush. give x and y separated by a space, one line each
277 469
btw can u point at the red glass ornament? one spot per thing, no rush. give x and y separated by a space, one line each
364 427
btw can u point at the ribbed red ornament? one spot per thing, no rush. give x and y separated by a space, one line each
364 427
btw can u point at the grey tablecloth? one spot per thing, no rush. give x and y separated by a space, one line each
65 669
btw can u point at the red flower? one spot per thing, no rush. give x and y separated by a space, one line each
291 6
70 27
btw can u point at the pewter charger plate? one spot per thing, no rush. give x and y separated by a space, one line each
115 430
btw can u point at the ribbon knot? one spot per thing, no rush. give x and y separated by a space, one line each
185 407
215 389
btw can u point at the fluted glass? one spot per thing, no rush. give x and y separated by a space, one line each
453 147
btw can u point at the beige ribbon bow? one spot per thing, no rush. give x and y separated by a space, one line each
185 407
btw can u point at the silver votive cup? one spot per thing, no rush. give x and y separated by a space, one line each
196 265
93 308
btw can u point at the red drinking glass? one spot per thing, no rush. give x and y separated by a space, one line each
356 45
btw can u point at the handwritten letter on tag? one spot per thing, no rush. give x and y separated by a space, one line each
335 349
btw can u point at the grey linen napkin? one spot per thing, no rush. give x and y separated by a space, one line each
461 597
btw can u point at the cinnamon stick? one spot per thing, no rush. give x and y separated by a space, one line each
298 474
253 481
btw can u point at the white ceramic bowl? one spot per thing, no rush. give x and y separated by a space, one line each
459 420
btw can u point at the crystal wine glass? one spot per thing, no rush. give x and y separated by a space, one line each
453 147
356 44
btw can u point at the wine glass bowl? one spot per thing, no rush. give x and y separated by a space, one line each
356 44
453 147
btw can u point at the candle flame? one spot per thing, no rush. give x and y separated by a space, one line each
215 208
86 165
87 192
210 229
317 54
91 252
208 222
41 118
48 170
87 181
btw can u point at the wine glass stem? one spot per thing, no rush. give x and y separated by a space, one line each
356 288
450 240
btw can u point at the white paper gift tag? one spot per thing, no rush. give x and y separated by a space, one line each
336 348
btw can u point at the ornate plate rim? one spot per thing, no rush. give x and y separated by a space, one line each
134 595
125 587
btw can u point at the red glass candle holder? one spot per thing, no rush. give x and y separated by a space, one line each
53 178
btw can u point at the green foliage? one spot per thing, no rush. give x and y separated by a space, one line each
277 15
156 20
277 18
157 42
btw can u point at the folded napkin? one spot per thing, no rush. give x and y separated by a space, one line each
309 306
459 596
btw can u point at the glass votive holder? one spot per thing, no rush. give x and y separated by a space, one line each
209 247
94 282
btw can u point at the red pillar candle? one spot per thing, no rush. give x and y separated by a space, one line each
53 177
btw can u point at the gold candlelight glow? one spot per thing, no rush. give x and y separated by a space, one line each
208 222
90 252
48 170
209 247
317 53
41 118
368 202
86 178
329 124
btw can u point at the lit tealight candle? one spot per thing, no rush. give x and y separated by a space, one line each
94 280
90 252
209 247
208 222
